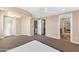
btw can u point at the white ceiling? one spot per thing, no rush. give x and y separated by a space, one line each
39 12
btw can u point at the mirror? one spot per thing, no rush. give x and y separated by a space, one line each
65 28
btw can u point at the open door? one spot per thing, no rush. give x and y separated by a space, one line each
65 28
39 27
35 27
43 27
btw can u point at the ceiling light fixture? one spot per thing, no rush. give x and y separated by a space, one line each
45 9
63 9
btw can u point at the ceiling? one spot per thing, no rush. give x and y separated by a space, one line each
39 12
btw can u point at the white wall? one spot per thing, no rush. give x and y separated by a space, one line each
52 27
18 26
75 27
1 26
31 26
26 26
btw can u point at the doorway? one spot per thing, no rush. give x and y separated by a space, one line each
65 28
43 27
9 26
35 27
39 27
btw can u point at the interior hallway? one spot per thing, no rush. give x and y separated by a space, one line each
17 27
16 41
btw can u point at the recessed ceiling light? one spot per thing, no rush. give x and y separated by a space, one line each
63 9
45 9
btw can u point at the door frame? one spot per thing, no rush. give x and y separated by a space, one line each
4 24
71 23
35 26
